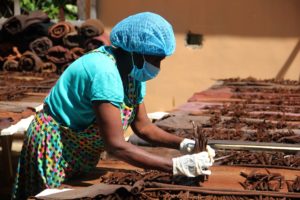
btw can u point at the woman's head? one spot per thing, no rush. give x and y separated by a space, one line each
144 33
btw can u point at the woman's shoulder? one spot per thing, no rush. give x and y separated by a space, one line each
99 60
97 55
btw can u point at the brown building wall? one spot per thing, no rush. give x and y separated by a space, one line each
241 38
270 18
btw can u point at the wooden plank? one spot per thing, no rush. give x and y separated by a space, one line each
19 127
12 105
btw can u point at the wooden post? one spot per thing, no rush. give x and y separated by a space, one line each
87 9
97 8
288 62
7 159
17 10
81 9
61 14
93 11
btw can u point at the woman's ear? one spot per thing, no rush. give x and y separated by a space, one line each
154 60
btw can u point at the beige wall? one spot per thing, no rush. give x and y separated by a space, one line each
241 38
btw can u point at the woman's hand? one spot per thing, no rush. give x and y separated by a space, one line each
187 146
192 165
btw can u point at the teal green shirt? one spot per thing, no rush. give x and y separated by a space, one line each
94 76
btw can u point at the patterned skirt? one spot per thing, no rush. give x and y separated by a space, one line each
52 153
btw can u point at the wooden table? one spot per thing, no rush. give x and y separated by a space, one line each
223 178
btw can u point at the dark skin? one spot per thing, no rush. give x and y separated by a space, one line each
109 121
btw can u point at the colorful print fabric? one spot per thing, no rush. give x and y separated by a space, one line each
51 153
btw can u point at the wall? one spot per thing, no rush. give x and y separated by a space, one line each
242 38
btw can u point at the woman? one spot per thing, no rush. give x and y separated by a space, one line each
92 104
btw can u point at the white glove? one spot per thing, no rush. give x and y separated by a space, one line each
192 165
187 146
211 152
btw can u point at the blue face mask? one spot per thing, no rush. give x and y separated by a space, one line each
147 72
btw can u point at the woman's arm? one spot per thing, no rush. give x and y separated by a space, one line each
144 128
109 121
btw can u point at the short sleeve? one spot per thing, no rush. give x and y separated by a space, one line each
107 86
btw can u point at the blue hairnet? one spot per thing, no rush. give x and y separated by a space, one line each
146 33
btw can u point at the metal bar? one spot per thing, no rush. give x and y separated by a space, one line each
255 146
